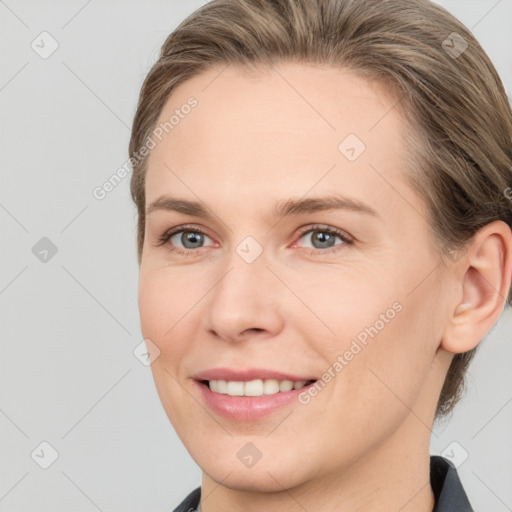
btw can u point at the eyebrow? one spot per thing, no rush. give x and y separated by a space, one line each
281 209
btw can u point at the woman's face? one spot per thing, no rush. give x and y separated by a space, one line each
266 283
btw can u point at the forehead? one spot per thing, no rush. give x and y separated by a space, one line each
288 129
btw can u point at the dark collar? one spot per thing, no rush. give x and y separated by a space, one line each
446 485
190 503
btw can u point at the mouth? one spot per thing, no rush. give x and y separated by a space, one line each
251 400
254 388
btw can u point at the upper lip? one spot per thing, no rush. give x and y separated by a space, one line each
247 375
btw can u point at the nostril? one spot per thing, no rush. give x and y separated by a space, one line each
254 329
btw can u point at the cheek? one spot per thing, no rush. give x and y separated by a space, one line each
356 309
164 314
387 344
162 309
393 368
163 298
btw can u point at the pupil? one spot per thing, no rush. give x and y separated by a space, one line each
194 238
323 238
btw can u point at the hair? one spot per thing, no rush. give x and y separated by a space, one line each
460 119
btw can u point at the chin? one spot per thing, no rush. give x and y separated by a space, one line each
263 479
273 472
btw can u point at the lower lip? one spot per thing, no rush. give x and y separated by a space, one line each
248 408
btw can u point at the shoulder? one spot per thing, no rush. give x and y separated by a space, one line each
190 503
447 487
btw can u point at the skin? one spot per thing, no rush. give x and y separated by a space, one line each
255 139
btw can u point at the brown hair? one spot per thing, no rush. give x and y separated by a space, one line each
460 158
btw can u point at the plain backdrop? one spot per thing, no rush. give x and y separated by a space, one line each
69 274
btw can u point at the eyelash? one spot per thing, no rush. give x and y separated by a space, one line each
310 229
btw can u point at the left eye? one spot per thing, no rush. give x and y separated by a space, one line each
325 237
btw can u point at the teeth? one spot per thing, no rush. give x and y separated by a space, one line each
235 388
253 388
286 385
256 387
270 387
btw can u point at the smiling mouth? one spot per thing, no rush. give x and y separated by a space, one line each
257 387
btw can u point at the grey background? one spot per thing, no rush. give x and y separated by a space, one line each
69 325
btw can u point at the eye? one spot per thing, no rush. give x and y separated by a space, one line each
323 237
192 239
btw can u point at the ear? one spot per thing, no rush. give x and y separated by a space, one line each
483 282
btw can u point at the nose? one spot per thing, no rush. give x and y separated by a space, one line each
246 302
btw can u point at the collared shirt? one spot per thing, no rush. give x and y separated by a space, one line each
449 494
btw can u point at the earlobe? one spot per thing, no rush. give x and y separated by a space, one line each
485 272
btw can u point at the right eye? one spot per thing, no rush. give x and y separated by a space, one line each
184 235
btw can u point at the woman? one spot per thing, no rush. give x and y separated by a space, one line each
323 192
